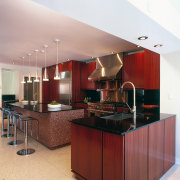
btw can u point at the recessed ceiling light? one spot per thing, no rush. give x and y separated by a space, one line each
138 46
158 45
142 38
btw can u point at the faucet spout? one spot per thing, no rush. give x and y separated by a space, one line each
133 109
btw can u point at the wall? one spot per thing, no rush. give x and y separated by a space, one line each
21 72
170 91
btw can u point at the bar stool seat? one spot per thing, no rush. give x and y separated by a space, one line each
15 142
27 151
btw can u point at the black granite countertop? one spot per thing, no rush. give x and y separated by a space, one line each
43 107
119 125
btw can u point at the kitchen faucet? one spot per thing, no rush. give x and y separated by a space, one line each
133 109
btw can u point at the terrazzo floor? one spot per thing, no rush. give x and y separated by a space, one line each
44 164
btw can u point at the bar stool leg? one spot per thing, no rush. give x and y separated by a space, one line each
8 135
3 129
26 151
15 142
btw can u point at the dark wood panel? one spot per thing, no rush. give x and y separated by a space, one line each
86 70
53 85
136 155
169 144
76 82
133 69
156 150
151 70
86 152
113 156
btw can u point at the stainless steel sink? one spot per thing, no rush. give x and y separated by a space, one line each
120 116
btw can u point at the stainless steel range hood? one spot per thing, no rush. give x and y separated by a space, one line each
107 67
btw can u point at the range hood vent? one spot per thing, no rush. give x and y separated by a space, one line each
107 67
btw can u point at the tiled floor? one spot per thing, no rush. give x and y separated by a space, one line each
44 164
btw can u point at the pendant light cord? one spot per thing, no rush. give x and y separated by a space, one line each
57 52
45 56
36 61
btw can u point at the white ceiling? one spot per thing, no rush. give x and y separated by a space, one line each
25 26
124 20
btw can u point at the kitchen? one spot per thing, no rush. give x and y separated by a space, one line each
88 95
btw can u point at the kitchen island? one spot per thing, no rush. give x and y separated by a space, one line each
54 126
117 149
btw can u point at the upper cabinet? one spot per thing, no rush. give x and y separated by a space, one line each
142 69
50 89
151 70
86 70
133 69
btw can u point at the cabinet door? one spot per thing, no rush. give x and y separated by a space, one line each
169 144
156 150
133 69
53 92
136 154
86 152
86 70
113 156
151 70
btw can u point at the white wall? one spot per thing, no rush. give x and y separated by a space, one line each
170 91
21 72
10 82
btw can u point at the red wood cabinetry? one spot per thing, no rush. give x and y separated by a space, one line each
113 156
169 144
142 69
86 152
50 89
151 70
86 70
146 153
156 150
136 154
133 69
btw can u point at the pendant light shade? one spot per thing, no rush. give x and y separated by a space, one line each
23 81
36 77
29 75
45 75
57 74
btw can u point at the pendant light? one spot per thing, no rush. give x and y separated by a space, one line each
29 75
23 81
45 75
36 78
57 74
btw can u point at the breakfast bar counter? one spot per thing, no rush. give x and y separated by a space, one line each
54 126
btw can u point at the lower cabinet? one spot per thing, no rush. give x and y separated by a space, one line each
113 156
136 154
144 154
156 150
169 143
86 152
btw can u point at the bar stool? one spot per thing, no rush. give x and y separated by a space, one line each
27 151
9 115
4 116
15 142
